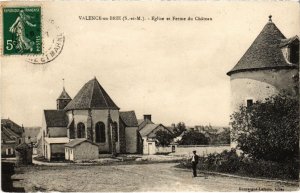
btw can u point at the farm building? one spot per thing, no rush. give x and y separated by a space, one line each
269 66
81 149
147 132
11 135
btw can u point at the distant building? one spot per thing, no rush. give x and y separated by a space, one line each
270 65
31 134
90 115
147 130
12 135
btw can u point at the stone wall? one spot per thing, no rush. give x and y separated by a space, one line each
97 116
57 132
258 85
202 150
131 139
85 151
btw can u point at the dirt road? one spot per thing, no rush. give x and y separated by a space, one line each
146 177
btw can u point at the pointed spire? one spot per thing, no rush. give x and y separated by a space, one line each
63 83
64 94
270 18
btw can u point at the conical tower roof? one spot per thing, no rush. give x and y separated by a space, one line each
64 95
92 96
265 52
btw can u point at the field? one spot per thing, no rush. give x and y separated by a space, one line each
134 177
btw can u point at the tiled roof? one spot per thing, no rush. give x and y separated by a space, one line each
56 118
64 95
288 41
148 129
76 142
8 135
129 118
142 123
92 96
265 52
12 126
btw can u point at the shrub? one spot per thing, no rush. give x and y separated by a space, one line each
230 162
268 130
227 161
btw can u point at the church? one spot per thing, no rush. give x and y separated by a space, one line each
90 115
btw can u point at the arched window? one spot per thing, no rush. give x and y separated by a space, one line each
80 130
116 133
100 132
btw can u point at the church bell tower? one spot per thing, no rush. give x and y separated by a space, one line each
63 100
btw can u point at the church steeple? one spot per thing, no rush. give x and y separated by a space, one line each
63 99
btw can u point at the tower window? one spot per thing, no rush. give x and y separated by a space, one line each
294 53
249 102
80 130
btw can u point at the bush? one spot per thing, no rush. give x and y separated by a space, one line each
230 162
227 161
270 169
268 130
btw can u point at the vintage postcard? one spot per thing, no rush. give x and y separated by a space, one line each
159 96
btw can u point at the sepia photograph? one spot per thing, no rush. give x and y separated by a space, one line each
149 96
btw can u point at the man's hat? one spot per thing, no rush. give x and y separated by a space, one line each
194 151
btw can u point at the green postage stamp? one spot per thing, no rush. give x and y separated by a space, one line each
22 32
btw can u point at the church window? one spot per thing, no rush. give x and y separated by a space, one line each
80 130
100 132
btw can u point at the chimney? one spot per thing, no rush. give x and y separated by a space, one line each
147 117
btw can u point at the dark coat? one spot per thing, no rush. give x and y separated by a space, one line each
196 159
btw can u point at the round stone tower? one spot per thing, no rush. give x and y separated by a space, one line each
270 65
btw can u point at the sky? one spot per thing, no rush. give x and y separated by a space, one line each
173 70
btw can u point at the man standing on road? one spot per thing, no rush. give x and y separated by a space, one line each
195 159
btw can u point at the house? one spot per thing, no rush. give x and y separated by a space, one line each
91 115
12 135
145 121
81 149
31 134
270 65
147 131
179 138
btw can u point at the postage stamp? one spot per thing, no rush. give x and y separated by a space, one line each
22 32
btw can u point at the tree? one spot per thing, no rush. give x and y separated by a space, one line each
164 138
224 136
268 130
194 138
179 128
